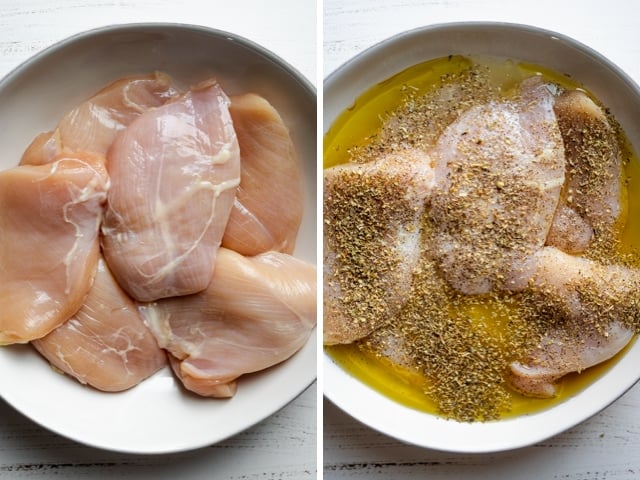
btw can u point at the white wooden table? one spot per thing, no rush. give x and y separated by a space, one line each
282 446
608 445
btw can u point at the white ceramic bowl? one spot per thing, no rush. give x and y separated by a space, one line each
564 55
157 416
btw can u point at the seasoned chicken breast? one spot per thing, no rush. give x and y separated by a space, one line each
372 234
499 171
591 200
592 309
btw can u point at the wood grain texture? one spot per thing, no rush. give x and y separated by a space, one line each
349 26
607 446
286 27
282 446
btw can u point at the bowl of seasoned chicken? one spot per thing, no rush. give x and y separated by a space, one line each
158 246
481 269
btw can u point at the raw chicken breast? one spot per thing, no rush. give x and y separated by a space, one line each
594 306
105 344
591 199
49 218
201 382
372 215
499 171
174 174
256 312
267 211
93 125
42 149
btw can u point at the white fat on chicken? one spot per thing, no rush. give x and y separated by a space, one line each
593 304
256 312
267 210
93 124
372 233
105 344
49 222
174 173
498 174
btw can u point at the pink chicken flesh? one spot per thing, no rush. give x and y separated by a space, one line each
267 210
174 171
257 312
93 124
106 344
49 218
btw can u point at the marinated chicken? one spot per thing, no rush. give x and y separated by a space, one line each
499 171
591 201
518 184
50 219
593 307
174 172
372 215
105 344
256 312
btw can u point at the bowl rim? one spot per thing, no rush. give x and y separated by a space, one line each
161 27
375 401
361 57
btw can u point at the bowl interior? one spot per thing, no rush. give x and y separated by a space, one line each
557 52
157 416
